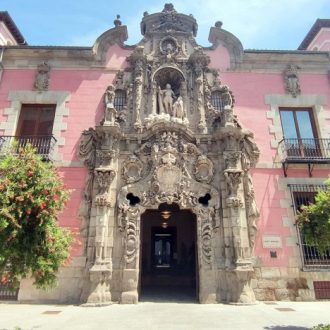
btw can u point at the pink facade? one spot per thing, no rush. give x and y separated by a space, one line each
260 87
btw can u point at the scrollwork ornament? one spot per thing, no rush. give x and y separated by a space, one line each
205 217
203 169
233 180
87 147
103 177
132 169
231 159
131 237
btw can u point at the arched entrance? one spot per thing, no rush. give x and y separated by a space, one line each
168 258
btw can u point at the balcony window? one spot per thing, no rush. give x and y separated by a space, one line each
300 143
36 120
303 195
299 132
35 126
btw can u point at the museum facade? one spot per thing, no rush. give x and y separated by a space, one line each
187 163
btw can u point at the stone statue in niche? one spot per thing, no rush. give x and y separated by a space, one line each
178 110
166 98
226 97
110 114
109 96
42 78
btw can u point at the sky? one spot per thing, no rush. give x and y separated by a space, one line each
258 24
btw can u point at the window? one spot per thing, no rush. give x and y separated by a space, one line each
35 126
216 100
120 99
297 123
36 120
299 132
304 195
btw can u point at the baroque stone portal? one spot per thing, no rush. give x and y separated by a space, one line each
175 147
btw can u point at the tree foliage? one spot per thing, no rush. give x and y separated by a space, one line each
31 196
314 220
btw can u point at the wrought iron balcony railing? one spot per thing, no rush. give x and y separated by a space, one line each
44 144
306 151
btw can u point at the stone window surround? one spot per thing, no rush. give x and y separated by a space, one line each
321 117
18 98
313 101
288 220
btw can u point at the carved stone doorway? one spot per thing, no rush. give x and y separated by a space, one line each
168 257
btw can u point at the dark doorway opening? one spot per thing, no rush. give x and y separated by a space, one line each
168 255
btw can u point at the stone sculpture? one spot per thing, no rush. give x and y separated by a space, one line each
166 98
42 78
292 84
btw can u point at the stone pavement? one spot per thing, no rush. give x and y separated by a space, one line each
153 315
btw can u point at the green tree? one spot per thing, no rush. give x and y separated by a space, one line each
314 220
31 196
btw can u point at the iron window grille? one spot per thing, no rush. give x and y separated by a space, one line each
120 99
216 100
303 194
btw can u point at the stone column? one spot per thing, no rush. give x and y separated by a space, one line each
138 86
183 93
200 102
238 259
207 280
154 98
130 225
101 271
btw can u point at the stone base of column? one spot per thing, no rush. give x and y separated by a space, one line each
208 287
100 276
129 297
130 283
239 287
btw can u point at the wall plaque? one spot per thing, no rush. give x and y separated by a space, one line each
271 242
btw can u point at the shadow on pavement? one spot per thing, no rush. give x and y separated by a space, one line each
168 295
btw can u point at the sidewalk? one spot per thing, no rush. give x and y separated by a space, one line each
150 315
